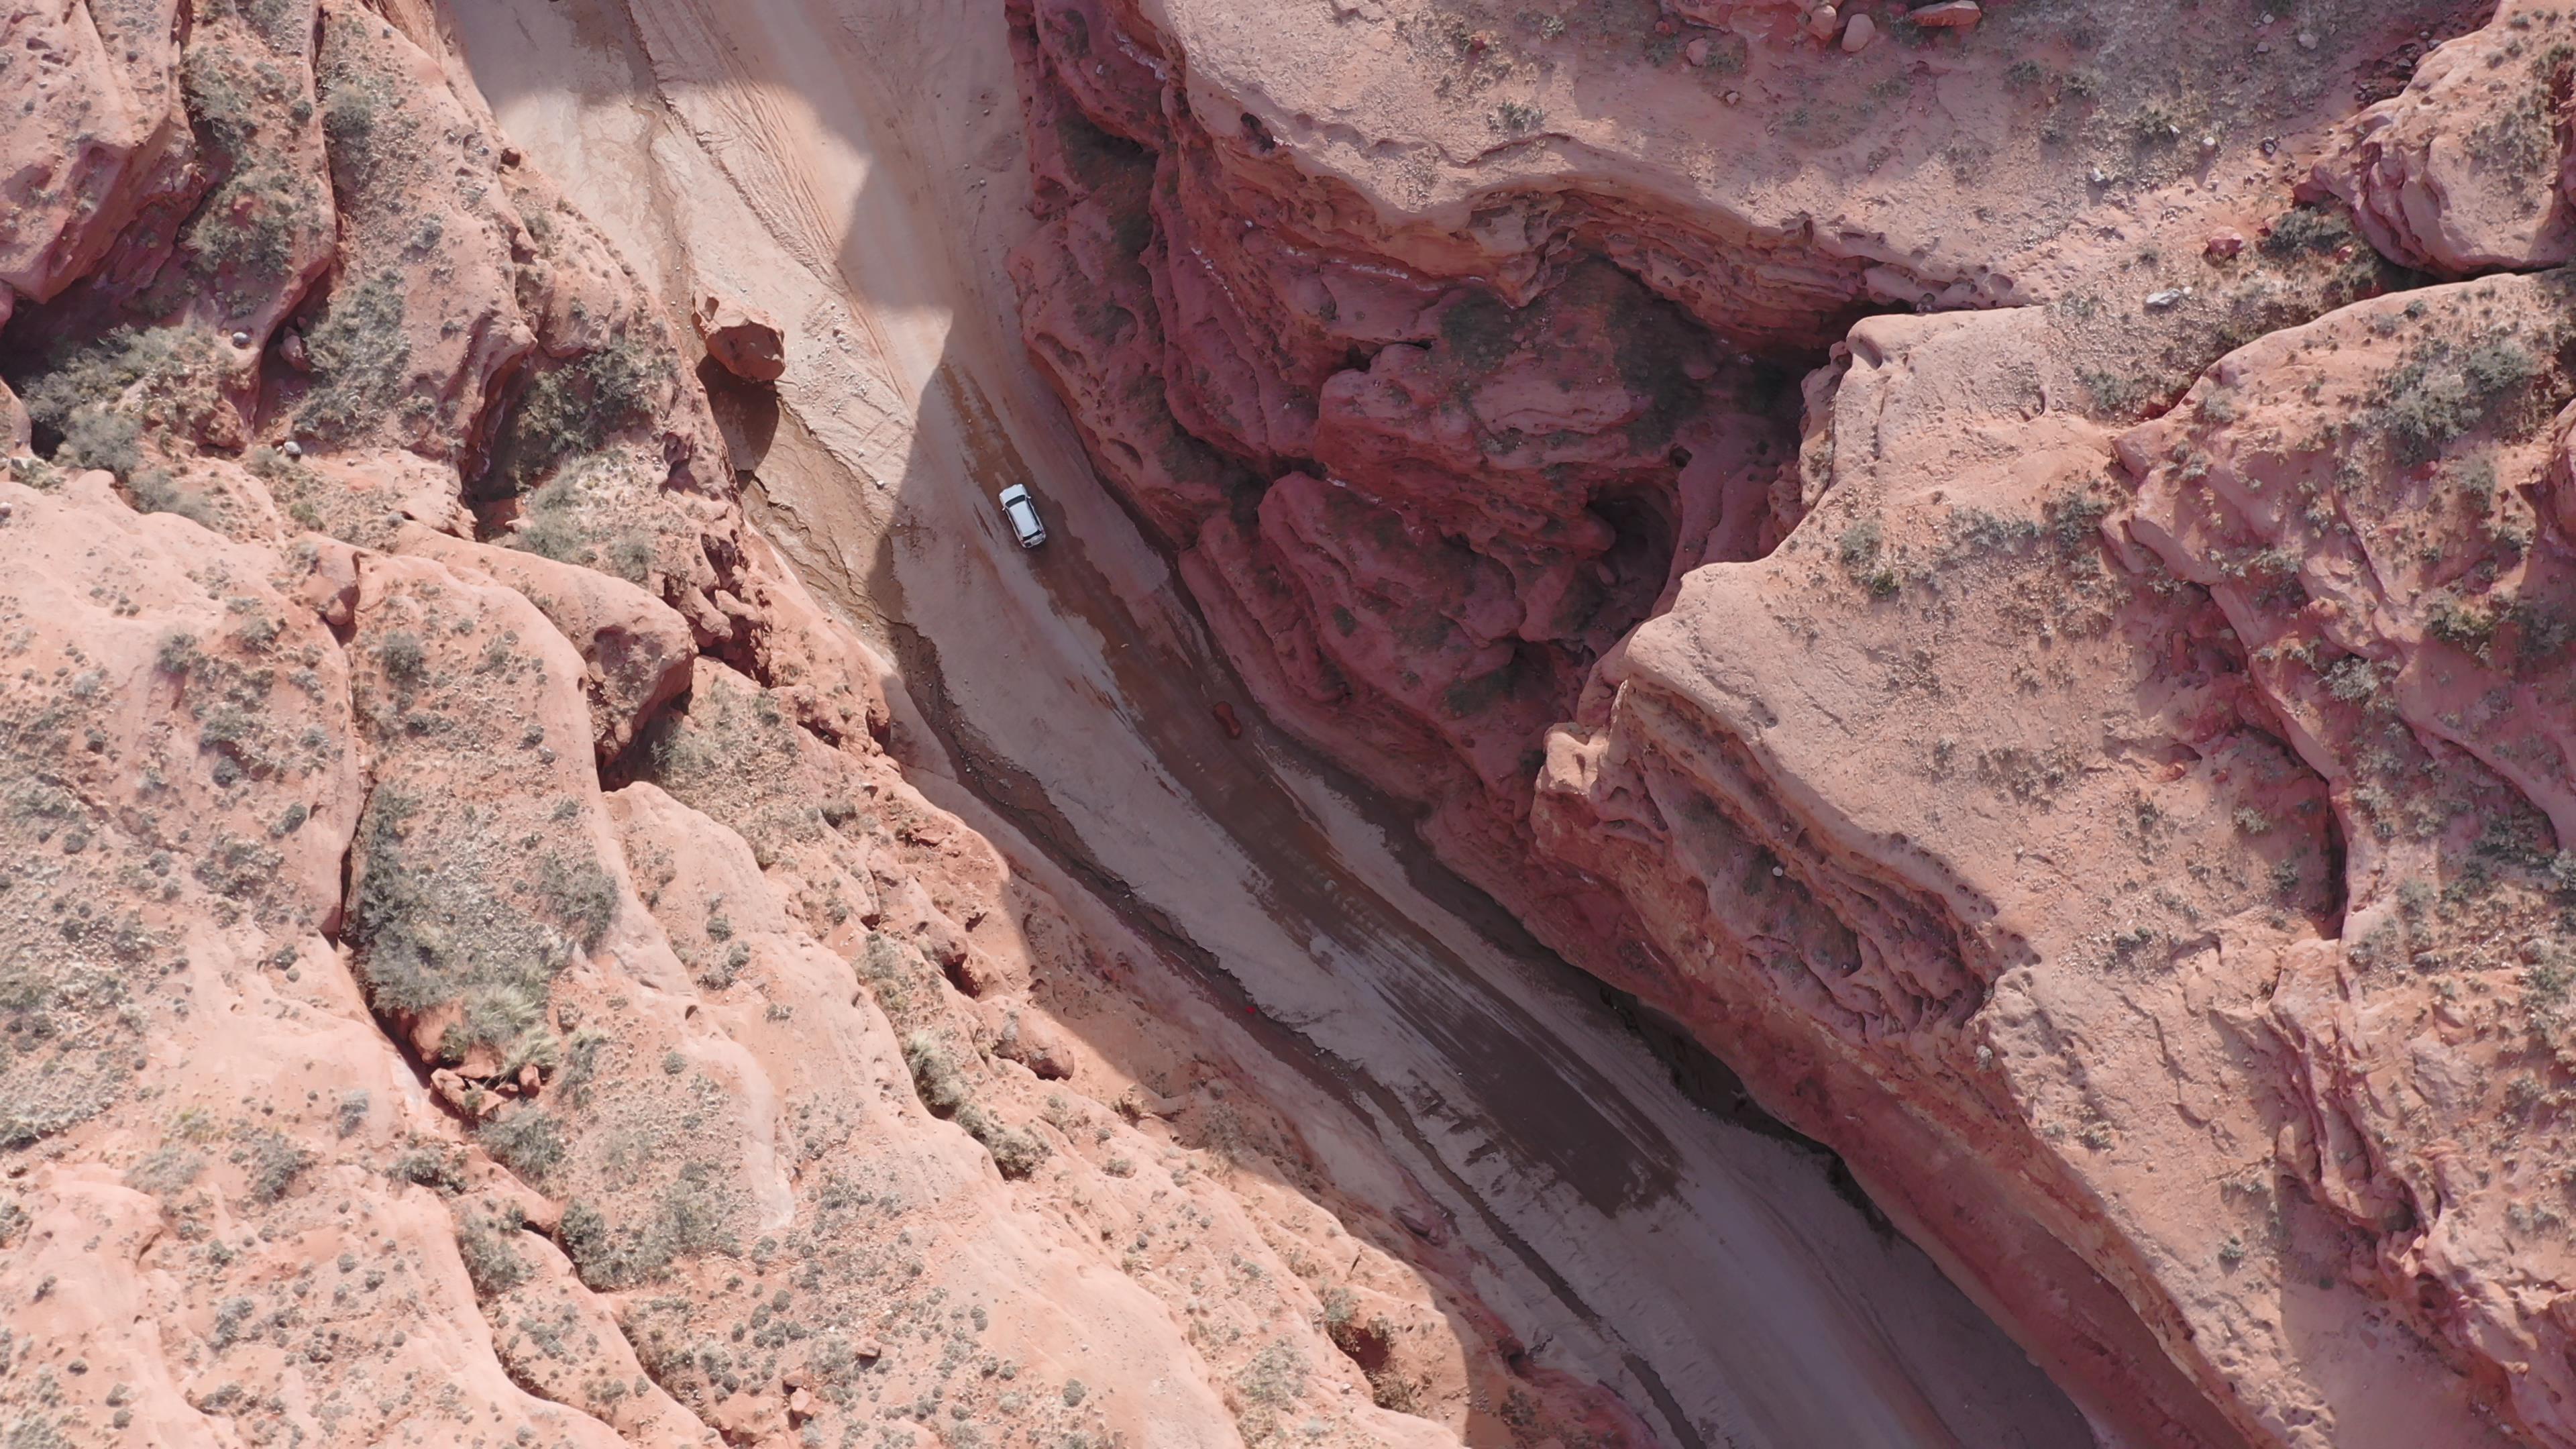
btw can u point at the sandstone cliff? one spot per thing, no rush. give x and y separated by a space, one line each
2138 849
471 971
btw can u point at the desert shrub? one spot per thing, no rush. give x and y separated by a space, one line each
589 1241
1390 1389
2440 391
93 437
1016 1153
722 968
1266 1387
610 1255
551 526
2074 524
440 929
361 360
490 1260
273 1163
529 1141
943 1089
2154 124
934 1074
2353 679
2518 139
1860 544
1860 551
503 1009
557 523
232 1317
365 127
393 920
574 409
2113 392
166 1171
402 658
250 225
152 378
904 983
2307 231
2545 983
1276 1375
431 1165
2459 622
580 895
580 1064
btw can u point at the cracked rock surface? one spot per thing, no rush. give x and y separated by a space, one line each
2094 754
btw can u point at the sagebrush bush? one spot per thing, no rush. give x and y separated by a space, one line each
2440 391
361 360
490 1259
573 409
934 1074
273 1164
609 1255
529 1141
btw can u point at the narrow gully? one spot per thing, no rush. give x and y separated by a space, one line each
1526 1095
1016 796
1712 1275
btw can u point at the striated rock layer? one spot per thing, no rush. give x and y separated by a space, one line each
2140 850
470 972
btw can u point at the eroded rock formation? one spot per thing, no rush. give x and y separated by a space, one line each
471 972
2141 851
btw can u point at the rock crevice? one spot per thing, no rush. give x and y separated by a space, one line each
2078 828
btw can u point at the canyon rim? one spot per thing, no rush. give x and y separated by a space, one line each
1744 724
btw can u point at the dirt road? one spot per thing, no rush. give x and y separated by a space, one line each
854 166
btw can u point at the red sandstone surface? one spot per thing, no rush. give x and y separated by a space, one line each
2007 566
473 972
2139 850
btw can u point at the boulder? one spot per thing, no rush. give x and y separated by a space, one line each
744 341
1034 1044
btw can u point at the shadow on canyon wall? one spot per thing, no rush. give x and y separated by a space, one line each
1535 1108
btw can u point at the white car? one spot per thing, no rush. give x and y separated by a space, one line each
1022 510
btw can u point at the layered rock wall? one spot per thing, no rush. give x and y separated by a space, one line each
1418 483
2139 852
470 971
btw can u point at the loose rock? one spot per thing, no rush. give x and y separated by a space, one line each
1952 14
744 341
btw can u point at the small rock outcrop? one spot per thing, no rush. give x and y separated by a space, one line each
2469 168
